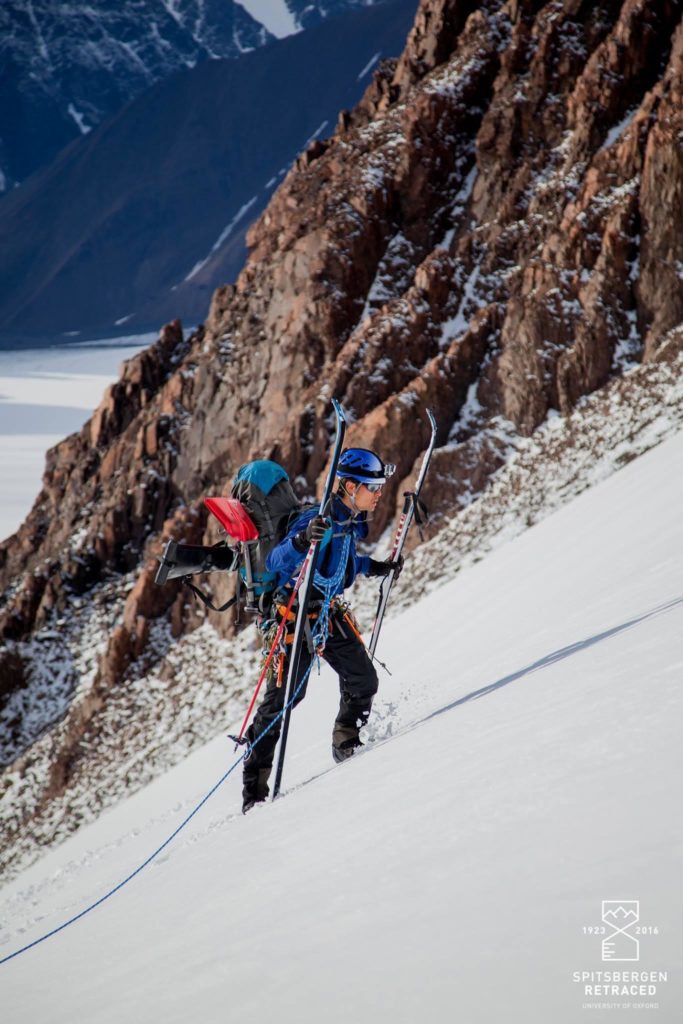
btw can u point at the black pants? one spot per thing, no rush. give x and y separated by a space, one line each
345 653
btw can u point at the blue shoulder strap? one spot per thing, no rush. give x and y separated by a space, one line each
327 538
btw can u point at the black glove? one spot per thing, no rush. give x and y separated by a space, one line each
315 531
384 568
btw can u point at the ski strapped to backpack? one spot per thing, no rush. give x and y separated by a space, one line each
412 508
306 587
256 518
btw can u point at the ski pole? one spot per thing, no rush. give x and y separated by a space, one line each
264 671
409 505
309 571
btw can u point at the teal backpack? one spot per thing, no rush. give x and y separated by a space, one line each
257 517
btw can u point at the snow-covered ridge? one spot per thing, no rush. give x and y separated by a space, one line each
205 674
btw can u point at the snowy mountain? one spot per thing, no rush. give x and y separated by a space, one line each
307 14
139 221
284 17
521 768
66 67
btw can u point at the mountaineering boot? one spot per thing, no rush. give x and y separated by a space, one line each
352 716
345 750
256 791
345 741
255 788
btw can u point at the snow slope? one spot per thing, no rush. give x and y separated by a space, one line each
274 15
523 765
46 394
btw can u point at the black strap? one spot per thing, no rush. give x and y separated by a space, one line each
308 634
207 600
240 742
421 515
337 617
421 512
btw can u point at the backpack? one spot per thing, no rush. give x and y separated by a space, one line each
257 515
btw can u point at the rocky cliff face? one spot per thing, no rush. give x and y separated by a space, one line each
495 232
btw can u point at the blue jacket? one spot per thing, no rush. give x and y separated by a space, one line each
285 559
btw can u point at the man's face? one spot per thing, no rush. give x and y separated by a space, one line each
365 499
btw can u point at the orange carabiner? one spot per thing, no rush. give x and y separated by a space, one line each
280 669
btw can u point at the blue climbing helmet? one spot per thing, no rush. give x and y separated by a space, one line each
364 466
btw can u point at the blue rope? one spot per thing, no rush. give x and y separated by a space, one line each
329 588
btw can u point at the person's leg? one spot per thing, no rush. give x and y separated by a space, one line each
259 762
346 654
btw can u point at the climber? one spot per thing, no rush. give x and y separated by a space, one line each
361 474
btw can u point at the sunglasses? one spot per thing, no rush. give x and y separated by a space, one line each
373 488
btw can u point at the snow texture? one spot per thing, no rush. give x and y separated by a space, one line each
619 129
369 66
274 15
79 118
222 238
522 766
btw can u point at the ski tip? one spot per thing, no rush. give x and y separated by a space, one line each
338 409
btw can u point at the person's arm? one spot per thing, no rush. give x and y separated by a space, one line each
377 568
287 556
315 531
363 565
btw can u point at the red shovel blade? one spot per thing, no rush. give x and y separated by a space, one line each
233 516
